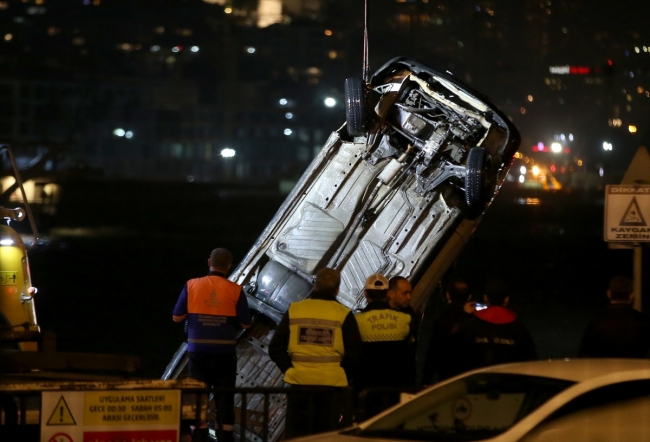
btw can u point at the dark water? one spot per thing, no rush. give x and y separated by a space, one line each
119 253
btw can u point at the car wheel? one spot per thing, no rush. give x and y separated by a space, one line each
355 109
475 181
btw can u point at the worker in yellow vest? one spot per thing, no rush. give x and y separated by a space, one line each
316 346
387 359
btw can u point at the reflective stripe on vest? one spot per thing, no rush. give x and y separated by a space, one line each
212 295
316 343
383 325
212 341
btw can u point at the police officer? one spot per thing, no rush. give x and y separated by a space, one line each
316 346
215 309
399 298
387 359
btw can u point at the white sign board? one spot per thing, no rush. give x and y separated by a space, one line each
110 416
627 213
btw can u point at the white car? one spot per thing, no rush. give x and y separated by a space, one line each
558 400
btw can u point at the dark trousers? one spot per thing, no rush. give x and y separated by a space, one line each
312 409
217 370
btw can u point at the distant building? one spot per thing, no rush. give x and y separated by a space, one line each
162 94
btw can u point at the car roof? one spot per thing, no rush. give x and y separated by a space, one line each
577 370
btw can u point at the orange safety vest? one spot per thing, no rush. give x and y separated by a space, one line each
208 297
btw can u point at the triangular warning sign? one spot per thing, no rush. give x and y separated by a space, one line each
61 414
633 215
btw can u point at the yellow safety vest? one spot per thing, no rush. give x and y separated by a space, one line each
383 325
316 343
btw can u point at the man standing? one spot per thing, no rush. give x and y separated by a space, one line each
443 359
316 346
399 298
215 309
619 331
495 335
388 360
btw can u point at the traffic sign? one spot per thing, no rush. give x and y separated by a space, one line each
110 415
627 213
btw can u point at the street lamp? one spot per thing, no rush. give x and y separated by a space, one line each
228 152
330 102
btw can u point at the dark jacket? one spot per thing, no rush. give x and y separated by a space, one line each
495 336
416 319
351 342
619 331
443 358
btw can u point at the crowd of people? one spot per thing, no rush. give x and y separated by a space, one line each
322 347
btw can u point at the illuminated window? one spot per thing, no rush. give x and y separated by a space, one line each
269 12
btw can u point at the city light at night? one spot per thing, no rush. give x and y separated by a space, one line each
228 152
330 102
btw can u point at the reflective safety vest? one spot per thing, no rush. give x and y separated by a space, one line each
210 301
383 325
316 343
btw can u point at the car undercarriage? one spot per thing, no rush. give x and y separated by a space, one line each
398 190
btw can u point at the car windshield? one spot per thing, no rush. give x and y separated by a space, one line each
479 406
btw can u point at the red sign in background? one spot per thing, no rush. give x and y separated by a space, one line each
131 436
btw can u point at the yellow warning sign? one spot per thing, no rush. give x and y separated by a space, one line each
61 414
8 278
633 215
132 408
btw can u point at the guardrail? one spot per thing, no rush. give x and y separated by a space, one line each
21 414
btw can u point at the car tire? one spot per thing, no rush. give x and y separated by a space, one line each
355 109
475 181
